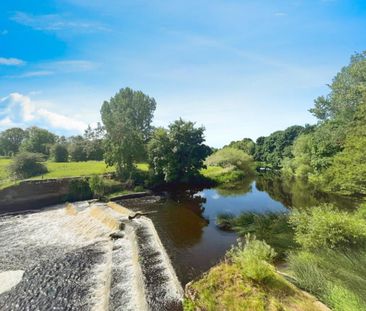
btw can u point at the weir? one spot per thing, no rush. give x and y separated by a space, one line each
84 257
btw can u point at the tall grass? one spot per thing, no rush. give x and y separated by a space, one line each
270 227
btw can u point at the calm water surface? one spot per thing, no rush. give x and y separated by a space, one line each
185 218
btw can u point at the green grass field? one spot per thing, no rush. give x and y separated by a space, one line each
61 170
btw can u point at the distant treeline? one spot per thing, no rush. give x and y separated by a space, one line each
332 153
88 146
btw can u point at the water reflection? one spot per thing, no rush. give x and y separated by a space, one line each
185 218
298 193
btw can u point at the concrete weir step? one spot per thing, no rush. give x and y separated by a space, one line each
85 256
142 275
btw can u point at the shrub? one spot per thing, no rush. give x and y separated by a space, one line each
59 153
77 152
79 189
231 158
253 257
326 227
101 186
26 164
270 227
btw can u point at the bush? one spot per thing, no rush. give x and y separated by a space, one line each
101 186
253 257
326 227
59 153
26 164
272 228
79 189
77 152
231 158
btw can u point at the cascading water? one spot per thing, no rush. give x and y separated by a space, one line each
65 259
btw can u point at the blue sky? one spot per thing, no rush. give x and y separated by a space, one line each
240 68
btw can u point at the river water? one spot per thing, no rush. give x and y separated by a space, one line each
185 218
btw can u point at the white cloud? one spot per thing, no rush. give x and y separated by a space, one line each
60 121
6 122
11 61
39 73
56 22
71 65
20 110
57 67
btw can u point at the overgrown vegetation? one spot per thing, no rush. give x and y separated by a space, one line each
246 280
228 165
331 264
270 227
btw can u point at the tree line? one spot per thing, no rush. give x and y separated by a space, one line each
57 148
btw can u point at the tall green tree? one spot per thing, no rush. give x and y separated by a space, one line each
177 154
10 141
38 140
127 120
347 174
336 113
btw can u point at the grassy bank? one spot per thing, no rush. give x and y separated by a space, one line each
222 175
246 280
62 170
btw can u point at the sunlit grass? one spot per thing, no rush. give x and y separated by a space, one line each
62 170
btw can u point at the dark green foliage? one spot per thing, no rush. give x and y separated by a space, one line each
127 120
277 146
177 154
79 189
26 164
93 143
77 150
10 141
38 140
59 153
101 186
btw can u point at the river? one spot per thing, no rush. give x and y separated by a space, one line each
185 218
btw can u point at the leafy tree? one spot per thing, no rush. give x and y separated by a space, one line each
59 153
94 142
345 92
347 173
76 149
38 140
333 155
26 164
10 140
246 144
127 120
177 154
277 146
